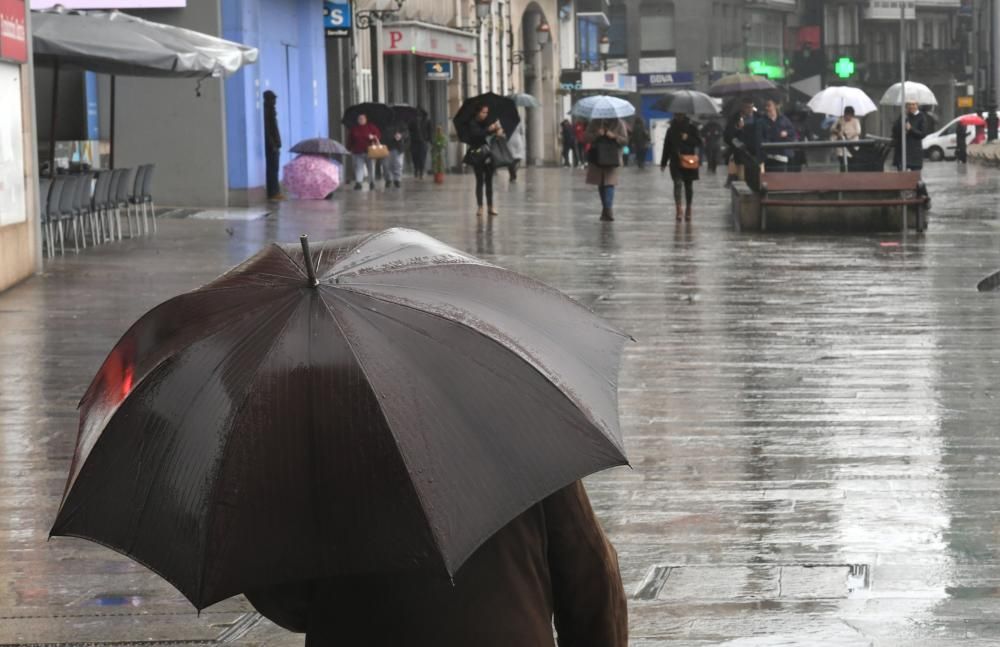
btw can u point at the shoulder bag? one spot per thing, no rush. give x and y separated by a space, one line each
378 151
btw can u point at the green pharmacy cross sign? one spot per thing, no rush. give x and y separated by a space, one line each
844 67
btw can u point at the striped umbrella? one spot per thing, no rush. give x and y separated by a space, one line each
734 84
603 107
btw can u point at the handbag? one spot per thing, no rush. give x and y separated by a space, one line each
690 162
378 151
479 156
500 152
605 153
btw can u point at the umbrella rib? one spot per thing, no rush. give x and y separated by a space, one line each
378 400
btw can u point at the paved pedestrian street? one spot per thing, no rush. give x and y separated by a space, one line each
812 420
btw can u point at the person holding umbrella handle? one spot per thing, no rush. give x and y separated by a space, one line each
361 136
479 158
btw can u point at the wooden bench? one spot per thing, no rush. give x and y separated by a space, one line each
843 189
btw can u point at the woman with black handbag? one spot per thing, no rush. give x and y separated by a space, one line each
606 138
681 151
479 158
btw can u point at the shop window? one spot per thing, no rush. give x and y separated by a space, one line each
656 28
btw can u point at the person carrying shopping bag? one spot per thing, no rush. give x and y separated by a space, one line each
361 136
682 153
606 137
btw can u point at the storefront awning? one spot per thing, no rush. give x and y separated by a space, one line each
431 41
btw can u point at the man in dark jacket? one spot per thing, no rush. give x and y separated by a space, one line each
568 143
552 563
272 145
916 130
739 137
774 128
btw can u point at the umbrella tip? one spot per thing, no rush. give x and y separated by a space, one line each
307 257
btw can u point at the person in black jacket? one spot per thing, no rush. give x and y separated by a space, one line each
916 130
773 128
420 134
478 156
397 141
681 151
272 145
739 138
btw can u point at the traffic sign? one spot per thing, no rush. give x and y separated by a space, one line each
438 70
337 19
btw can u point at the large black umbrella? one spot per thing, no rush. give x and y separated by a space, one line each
389 409
501 108
408 114
690 102
742 84
378 113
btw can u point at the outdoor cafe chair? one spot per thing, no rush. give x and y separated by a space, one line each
147 196
100 204
81 208
120 196
50 214
67 213
135 200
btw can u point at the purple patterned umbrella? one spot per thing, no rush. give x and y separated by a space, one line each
312 177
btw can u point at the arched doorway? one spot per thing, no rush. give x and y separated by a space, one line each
537 71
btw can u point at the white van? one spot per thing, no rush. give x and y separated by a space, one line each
941 144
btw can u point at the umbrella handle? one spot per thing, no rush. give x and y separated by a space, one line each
310 270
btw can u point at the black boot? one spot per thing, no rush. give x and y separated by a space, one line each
606 214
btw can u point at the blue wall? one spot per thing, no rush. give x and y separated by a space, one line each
292 64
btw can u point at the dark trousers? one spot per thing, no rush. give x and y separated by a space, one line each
271 156
686 186
569 154
484 180
640 157
419 154
512 169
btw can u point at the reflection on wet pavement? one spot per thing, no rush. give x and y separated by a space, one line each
811 419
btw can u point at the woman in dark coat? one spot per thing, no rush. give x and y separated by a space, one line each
608 133
553 563
639 141
682 139
420 135
916 129
480 129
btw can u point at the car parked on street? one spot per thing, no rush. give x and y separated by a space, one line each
941 144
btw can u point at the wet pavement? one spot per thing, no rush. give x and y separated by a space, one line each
812 420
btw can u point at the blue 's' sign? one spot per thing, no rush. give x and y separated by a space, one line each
337 18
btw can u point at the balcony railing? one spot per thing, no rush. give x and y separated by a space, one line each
918 62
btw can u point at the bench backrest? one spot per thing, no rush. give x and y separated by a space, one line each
847 182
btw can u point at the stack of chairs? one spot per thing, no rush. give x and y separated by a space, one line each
88 205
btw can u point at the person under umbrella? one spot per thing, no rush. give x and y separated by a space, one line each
740 138
639 141
361 136
847 128
916 129
711 135
420 136
606 137
397 141
477 133
272 145
681 151
568 138
772 128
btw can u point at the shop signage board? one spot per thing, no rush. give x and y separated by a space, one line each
438 70
613 81
966 102
337 19
664 79
13 34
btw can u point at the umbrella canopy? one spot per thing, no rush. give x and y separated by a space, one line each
378 113
407 114
312 177
523 100
914 92
501 108
834 99
603 107
690 102
112 42
733 84
389 404
972 120
320 146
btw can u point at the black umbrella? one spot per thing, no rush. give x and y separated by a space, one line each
501 108
408 114
384 402
320 146
690 102
378 113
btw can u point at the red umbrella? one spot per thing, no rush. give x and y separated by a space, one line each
972 120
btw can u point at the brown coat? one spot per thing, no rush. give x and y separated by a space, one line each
602 175
553 561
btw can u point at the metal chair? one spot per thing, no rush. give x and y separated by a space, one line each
65 212
120 196
135 199
50 214
100 206
82 213
147 196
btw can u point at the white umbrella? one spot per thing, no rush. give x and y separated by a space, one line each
834 99
914 92
603 107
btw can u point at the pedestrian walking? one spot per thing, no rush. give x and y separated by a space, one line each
552 565
711 136
480 130
639 141
739 136
682 146
605 138
420 137
397 140
773 128
846 128
580 132
961 139
916 129
568 143
272 146
515 143
361 136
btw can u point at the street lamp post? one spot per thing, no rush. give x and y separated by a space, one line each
543 35
373 19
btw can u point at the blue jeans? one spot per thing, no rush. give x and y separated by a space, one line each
607 192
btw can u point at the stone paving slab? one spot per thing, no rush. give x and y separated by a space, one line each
811 419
